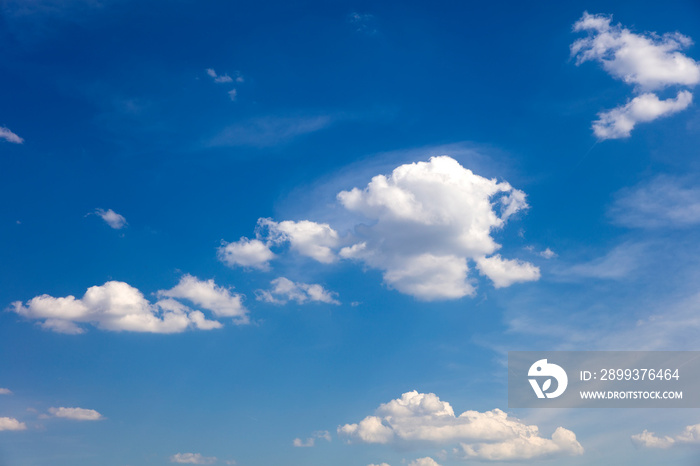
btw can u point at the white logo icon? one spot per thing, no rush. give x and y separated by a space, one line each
543 369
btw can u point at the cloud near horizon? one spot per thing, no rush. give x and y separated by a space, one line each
117 306
422 226
423 418
648 62
691 435
192 458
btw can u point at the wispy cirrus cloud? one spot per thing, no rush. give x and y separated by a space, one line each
271 130
648 62
660 202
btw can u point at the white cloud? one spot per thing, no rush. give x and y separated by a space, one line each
647 61
209 295
691 435
505 272
619 122
311 441
76 414
381 464
219 79
421 226
427 220
193 458
5 391
661 202
492 435
9 423
311 239
233 94
117 306
563 442
284 290
113 219
9 136
427 461
246 253
548 253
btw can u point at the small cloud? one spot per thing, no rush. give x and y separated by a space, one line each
219 79
284 290
427 461
311 441
363 22
548 253
5 391
193 458
9 423
691 435
9 136
232 94
246 253
113 219
76 414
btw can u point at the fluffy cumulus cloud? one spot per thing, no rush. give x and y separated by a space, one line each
76 414
10 423
426 461
113 219
691 435
5 391
648 62
311 441
492 435
118 306
246 253
284 290
661 202
208 295
424 225
9 136
193 458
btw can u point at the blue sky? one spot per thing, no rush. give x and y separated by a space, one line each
308 233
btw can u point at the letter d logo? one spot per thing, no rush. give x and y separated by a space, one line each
543 369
